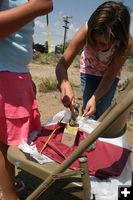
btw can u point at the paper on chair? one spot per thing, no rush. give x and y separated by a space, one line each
33 152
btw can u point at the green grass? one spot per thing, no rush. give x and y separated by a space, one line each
44 58
47 85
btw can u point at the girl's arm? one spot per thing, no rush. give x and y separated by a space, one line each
78 41
107 80
13 19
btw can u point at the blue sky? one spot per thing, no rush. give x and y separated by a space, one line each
79 10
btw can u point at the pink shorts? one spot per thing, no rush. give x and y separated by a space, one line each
19 114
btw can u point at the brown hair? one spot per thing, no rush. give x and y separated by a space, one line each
111 19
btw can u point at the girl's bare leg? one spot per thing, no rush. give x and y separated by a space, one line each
7 175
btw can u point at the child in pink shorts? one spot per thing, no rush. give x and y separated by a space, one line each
18 106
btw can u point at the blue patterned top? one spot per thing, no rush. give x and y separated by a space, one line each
16 50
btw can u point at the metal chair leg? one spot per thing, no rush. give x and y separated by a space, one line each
85 178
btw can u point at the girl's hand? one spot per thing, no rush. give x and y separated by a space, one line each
11 20
67 95
90 107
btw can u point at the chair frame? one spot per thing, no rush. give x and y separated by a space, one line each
112 115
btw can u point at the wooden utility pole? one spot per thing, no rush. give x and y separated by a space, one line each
65 32
48 34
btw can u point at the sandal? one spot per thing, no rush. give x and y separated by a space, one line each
22 189
19 185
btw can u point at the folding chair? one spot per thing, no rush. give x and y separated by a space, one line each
113 121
